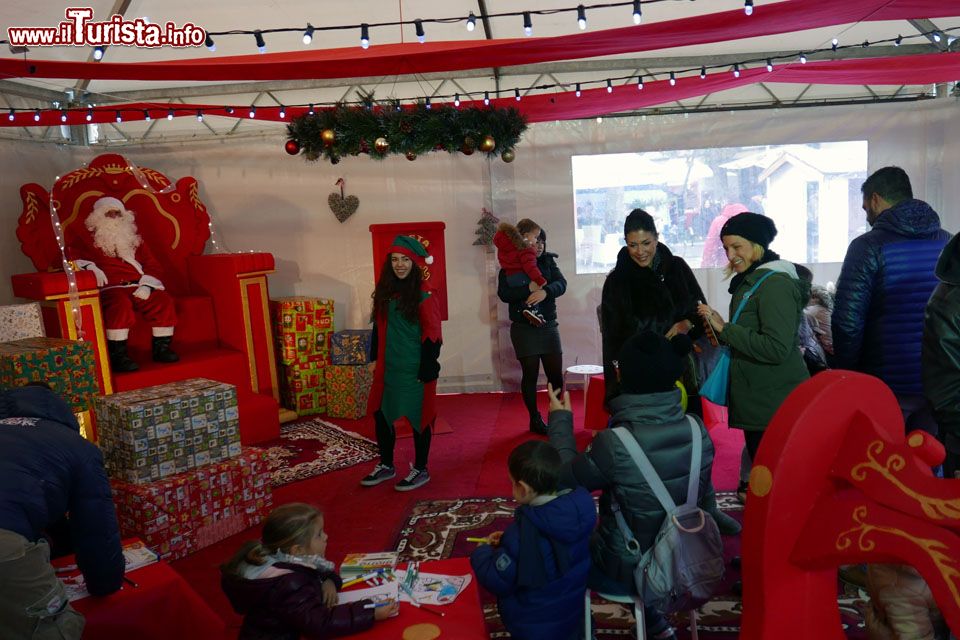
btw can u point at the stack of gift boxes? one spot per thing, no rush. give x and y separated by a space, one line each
303 327
181 481
349 378
68 366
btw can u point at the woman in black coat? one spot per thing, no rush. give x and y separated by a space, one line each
649 289
536 345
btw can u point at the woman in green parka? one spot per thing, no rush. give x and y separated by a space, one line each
406 348
766 363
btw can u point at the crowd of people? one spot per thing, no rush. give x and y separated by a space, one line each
895 314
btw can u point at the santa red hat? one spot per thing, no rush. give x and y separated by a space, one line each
412 248
107 204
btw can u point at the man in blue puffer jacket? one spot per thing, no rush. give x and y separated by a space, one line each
47 470
886 280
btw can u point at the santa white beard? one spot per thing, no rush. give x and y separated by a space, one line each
116 237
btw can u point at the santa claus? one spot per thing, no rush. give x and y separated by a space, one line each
126 273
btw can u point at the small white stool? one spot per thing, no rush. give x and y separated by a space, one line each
585 370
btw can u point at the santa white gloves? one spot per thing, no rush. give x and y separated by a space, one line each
86 265
143 292
147 285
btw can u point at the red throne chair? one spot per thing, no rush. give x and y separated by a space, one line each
836 481
223 331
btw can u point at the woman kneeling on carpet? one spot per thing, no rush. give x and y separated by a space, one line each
286 589
649 408
406 348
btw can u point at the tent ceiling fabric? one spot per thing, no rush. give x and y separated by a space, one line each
675 35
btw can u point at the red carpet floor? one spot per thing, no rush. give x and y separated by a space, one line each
469 461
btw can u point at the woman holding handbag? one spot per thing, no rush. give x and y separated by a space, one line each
766 310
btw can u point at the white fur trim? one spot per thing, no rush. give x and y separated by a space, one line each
109 203
162 332
118 335
428 259
150 281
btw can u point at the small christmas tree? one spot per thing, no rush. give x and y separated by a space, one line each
486 227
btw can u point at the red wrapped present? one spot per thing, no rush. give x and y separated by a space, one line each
189 511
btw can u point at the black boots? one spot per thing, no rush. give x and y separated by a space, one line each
120 361
537 426
162 351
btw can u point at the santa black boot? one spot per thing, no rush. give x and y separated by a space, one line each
120 362
162 351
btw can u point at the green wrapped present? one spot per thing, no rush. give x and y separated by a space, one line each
348 389
68 366
302 387
151 433
302 327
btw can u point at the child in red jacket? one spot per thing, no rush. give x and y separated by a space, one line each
286 589
517 254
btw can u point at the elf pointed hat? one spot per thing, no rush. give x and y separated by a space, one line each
411 247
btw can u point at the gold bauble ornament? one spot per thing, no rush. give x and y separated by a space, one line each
411 156
488 144
508 155
381 145
327 136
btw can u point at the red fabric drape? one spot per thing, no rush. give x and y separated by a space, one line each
395 59
921 69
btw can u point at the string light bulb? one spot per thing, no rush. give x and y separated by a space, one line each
98 53
471 21
581 17
427 104
748 7
769 65
283 112
609 86
253 111
898 41
36 115
258 38
703 72
310 111
456 99
63 115
364 35
486 98
146 115
209 43
11 115
527 24
578 90
119 116
199 115
834 43
736 71
639 83
937 37
308 34
637 14
170 114
229 111
516 94
673 79
803 58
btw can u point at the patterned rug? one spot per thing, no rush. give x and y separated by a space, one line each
436 529
307 449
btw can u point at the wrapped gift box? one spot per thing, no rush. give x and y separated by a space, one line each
68 366
189 511
302 387
302 327
151 433
19 321
351 346
348 389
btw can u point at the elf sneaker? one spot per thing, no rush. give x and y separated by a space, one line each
380 473
416 478
534 317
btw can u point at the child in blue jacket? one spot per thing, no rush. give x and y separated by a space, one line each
538 567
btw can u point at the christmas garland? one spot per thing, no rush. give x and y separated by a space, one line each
382 128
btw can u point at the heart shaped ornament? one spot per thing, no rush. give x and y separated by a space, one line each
343 206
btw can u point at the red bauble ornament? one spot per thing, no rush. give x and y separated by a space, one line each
292 147
411 156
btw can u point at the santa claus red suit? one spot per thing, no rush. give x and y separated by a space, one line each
126 273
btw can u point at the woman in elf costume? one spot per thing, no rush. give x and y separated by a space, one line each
406 344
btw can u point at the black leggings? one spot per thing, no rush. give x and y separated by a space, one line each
752 440
530 366
387 440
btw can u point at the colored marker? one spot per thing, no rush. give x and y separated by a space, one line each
479 540
363 578
375 605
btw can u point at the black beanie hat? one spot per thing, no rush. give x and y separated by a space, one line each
752 226
649 363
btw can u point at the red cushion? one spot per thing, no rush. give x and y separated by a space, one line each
39 285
